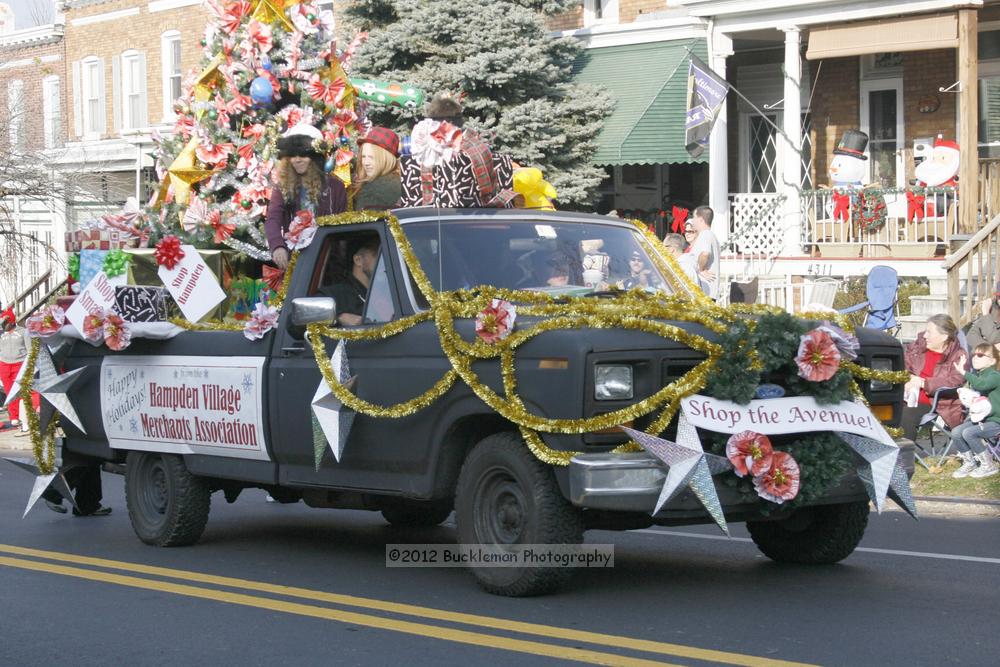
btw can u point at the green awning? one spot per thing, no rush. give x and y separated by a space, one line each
649 85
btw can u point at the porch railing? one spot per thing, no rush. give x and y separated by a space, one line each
36 295
913 226
972 272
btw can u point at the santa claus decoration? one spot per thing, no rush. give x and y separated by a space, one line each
938 171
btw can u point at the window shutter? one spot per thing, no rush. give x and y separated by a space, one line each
56 113
77 101
116 94
102 114
143 108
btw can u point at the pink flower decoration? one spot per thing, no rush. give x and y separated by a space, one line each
230 19
117 334
781 481
214 154
262 319
260 36
750 453
496 321
184 126
818 358
46 322
254 132
93 327
847 344
323 91
301 231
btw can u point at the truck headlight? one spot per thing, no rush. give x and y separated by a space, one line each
612 383
881 364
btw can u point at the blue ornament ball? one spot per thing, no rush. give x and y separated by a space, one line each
330 165
261 90
343 140
266 63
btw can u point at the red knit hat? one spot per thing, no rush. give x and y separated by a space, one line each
8 316
382 137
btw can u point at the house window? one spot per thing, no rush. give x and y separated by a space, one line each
172 76
92 87
51 112
15 113
596 12
133 90
989 94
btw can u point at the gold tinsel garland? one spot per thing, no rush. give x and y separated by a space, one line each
42 444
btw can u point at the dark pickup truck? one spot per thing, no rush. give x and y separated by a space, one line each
209 411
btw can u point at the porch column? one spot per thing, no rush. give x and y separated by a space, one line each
718 144
790 176
968 113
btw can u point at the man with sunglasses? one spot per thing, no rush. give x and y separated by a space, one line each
986 328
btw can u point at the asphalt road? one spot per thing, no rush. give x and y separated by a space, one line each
285 584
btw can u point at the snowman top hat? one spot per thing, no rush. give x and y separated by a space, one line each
853 143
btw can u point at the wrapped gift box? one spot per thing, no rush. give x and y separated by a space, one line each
225 264
455 183
91 263
99 239
143 303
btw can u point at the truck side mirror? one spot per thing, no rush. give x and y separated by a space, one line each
309 309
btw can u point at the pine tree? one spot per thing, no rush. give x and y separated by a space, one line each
516 78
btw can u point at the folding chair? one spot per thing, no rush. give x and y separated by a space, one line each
993 447
933 419
882 290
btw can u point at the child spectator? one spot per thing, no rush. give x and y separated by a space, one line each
968 437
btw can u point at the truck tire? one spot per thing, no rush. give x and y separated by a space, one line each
817 535
416 514
167 505
506 496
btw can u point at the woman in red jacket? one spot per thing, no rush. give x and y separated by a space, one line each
931 360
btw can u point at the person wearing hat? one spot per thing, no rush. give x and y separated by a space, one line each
986 328
376 185
14 346
302 185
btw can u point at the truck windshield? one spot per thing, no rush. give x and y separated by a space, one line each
558 257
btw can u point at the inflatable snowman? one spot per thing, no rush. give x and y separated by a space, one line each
847 171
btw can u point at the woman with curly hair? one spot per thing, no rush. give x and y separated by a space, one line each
302 186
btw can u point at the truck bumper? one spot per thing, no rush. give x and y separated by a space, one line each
632 483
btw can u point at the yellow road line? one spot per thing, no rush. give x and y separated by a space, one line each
341 616
552 632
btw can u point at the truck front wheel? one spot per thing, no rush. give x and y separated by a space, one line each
168 506
817 535
506 497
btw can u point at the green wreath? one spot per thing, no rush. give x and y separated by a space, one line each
870 210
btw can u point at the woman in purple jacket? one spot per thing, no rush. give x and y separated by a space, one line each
302 185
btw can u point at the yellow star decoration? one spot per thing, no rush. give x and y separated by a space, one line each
269 11
209 78
183 173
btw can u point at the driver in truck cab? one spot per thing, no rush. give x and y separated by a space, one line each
351 291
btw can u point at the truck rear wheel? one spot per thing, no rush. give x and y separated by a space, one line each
168 506
817 535
506 496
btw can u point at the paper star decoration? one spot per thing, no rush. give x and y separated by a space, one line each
54 388
883 474
269 11
56 480
183 173
334 419
689 466
15 388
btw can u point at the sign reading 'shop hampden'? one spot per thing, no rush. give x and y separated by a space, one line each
184 405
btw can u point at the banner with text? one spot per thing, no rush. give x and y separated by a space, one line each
706 93
777 416
185 405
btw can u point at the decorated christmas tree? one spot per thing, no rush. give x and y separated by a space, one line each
268 66
513 75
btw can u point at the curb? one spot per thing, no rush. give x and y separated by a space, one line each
959 500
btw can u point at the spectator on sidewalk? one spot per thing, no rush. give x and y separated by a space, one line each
706 251
14 346
986 328
983 422
931 361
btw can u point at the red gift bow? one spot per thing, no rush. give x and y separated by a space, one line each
678 216
274 277
841 206
168 252
914 206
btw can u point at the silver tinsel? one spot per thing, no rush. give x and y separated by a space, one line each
248 249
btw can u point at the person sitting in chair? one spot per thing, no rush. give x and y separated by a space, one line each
931 360
351 293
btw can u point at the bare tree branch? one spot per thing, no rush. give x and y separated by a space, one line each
42 12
